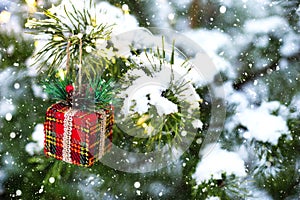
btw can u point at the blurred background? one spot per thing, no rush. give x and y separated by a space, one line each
254 44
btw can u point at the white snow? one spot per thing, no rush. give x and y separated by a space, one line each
105 13
142 104
197 123
227 3
222 9
8 92
10 22
243 152
291 44
163 105
6 107
3 175
137 184
266 25
233 97
38 91
18 193
182 3
213 198
89 185
17 86
8 116
38 138
262 125
152 86
253 8
216 161
12 135
298 11
113 15
262 41
158 188
51 180
162 9
205 70
256 193
260 121
295 106
211 41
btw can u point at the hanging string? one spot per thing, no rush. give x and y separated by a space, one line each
68 68
80 61
68 56
69 94
80 64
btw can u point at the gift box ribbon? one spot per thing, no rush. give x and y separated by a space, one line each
68 125
66 152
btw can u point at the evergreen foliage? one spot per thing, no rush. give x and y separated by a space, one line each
265 70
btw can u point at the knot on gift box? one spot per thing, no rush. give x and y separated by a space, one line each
69 90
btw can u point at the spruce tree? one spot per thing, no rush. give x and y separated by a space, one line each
255 46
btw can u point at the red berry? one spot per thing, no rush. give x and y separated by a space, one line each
69 88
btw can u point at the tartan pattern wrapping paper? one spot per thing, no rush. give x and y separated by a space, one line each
76 136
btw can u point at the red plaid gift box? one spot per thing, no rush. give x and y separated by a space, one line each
76 136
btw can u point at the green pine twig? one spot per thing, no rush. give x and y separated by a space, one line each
77 25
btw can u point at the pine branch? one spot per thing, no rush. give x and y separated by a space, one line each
100 90
249 77
77 26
